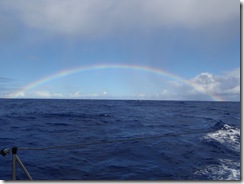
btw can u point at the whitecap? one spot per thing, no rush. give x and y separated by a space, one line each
227 136
226 170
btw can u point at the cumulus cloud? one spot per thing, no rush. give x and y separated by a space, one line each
96 17
225 86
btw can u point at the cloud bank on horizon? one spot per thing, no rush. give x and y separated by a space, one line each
197 40
204 86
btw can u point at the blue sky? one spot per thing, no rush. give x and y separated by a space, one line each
199 42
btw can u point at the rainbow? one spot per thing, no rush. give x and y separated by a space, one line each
67 72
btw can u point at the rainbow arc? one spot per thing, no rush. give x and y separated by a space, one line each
71 71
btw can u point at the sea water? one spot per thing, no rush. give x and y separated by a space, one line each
121 139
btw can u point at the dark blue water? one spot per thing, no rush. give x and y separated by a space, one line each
186 140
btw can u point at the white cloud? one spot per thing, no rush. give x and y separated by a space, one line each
14 95
78 94
47 94
103 17
141 95
225 86
205 82
165 92
44 94
75 95
57 95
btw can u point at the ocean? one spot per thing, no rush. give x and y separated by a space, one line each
121 139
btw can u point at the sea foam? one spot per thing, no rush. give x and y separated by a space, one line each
227 136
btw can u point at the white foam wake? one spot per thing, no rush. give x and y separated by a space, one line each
228 136
225 170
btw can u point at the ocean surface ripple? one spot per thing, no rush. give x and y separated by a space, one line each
162 140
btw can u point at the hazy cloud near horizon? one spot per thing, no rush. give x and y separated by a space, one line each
226 85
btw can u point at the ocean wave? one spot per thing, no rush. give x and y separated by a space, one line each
226 169
227 136
194 139
75 115
57 124
63 115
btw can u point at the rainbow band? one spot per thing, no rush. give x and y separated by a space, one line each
101 67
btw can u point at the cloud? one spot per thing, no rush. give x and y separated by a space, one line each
78 94
13 95
96 17
225 86
75 95
142 95
47 94
34 94
103 94
44 94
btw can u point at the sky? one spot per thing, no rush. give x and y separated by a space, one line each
125 49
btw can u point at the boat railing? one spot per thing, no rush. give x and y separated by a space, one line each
15 160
